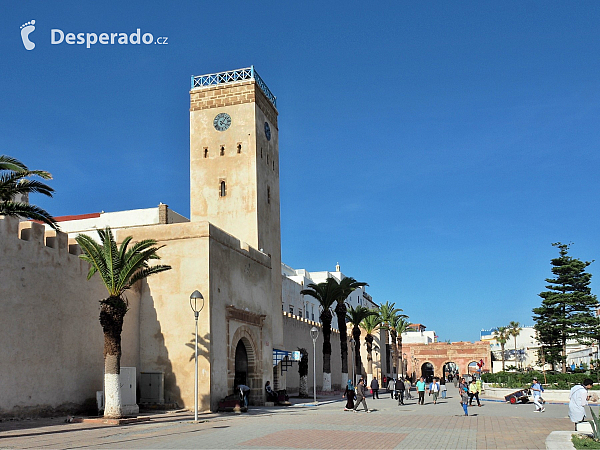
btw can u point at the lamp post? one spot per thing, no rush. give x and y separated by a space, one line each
196 295
314 334
352 342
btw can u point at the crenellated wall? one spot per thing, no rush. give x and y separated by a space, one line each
51 340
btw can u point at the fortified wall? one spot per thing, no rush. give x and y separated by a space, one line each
51 339
439 353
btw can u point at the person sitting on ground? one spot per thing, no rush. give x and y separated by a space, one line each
271 396
578 398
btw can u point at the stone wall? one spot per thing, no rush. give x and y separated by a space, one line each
50 335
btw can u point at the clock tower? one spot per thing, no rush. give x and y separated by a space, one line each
234 157
234 165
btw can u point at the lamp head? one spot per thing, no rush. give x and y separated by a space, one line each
194 299
314 333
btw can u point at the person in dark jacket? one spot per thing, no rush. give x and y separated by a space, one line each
375 388
400 389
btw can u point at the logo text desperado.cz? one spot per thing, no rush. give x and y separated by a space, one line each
58 37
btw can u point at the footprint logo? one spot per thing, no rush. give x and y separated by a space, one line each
26 30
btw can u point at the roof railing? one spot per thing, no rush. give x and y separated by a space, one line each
234 76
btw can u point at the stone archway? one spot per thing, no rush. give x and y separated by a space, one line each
450 368
243 364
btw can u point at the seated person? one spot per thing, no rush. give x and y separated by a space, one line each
271 396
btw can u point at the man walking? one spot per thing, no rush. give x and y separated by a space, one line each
421 391
360 395
434 389
391 385
375 388
400 389
473 392
536 388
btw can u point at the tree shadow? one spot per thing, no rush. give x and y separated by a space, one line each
203 345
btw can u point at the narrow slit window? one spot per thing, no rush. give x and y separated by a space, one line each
261 152
239 148
222 150
222 189
206 152
273 165
268 194
267 159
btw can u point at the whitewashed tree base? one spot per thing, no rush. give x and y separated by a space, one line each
344 380
304 386
326 382
112 396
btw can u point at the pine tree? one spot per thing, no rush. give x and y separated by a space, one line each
567 311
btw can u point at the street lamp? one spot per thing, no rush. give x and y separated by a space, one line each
352 343
196 295
314 334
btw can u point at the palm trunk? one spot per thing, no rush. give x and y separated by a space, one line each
326 321
369 341
357 358
112 313
402 363
340 311
502 349
394 353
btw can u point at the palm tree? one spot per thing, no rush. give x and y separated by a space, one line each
388 314
400 326
303 372
346 287
14 182
514 329
119 268
326 294
370 324
355 316
502 335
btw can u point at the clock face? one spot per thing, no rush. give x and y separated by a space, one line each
222 121
267 131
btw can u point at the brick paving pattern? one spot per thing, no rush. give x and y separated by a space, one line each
442 426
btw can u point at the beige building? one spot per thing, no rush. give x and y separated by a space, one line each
230 251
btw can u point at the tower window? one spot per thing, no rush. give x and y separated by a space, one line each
239 147
261 152
268 194
273 165
206 152
267 159
222 150
222 189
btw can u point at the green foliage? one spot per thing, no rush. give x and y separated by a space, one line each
520 380
120 268
583 442
14 181
567 310
595 425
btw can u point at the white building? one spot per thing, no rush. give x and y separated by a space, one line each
295 280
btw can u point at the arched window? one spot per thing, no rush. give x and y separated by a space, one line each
206 152
239 147
222 189
222 150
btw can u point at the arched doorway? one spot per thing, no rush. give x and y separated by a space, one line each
241 364
427 372
450 370
472 368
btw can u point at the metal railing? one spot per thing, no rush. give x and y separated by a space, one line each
233 76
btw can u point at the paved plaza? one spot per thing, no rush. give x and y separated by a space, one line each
441 426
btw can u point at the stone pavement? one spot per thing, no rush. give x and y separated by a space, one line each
441 426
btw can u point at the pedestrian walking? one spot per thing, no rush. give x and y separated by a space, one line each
407 389
434 390
443 387
421 391
473 392
360 396
463 390
349 394
400 390
375 388
578 398
536 389
391 387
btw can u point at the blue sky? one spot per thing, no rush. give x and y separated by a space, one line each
434 149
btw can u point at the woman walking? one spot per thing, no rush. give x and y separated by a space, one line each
349 394
463 389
